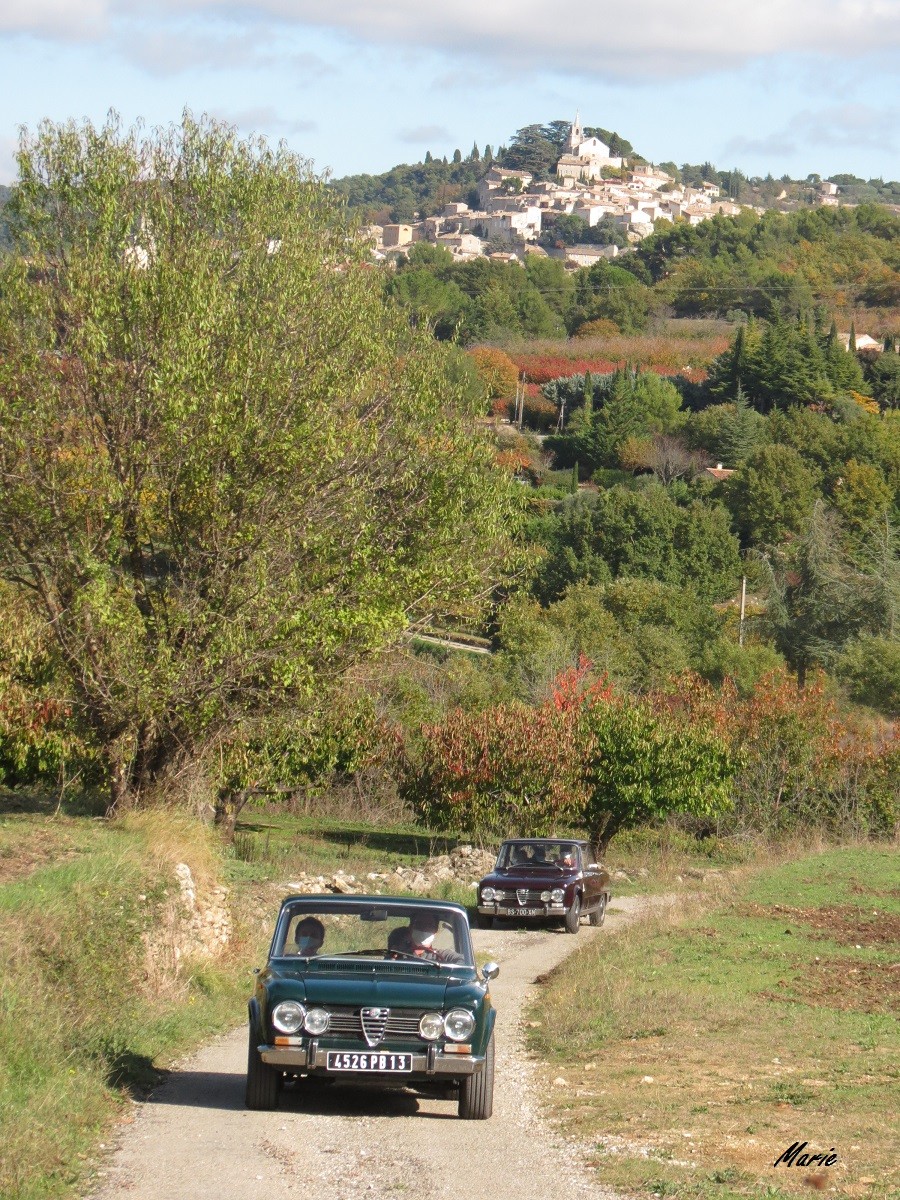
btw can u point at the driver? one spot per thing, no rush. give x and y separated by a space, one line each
417 940
309 935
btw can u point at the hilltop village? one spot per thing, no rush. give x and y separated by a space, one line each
590 183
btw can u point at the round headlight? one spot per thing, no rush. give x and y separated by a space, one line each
557 896
545 896
316 1020
431 1026
459 1024
488 895
287 1017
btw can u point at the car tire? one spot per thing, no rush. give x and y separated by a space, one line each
476 1092
262 1080
573 916
598 916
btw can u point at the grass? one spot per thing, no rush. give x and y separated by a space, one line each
87 1016
699 1044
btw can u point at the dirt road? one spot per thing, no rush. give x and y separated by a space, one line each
194 1140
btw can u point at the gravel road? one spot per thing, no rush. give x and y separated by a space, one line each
194 1140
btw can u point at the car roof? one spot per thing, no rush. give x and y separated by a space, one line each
554 840
315 898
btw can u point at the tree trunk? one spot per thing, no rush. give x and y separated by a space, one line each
227 810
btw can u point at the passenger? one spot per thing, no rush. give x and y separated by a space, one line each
416 940
309 934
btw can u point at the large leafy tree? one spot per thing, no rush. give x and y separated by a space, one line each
227 467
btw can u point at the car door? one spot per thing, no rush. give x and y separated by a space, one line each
592 876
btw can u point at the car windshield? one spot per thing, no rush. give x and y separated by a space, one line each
538 854
364 929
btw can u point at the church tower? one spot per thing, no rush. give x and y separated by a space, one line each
576 136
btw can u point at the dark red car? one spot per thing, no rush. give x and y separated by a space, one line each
547 879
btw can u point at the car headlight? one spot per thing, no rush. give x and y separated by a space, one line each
488 895
316 1021
287 1017
545 896
431 1026
557 896
458 1024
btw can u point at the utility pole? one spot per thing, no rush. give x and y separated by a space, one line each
743 609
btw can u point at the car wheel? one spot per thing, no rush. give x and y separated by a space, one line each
262 1080
573 916
476 1092
598 916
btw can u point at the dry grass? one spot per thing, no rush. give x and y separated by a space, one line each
702 1042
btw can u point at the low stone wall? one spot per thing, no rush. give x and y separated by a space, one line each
464 865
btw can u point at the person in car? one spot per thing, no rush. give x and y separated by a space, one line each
416 940
309 935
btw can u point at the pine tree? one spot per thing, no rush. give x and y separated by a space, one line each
740 431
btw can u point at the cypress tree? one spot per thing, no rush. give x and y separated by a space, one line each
573 485
588 393
851 345
428 158
474 155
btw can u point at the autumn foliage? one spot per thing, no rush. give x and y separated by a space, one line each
496 369
592 758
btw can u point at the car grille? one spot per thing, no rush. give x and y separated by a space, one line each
401 1023
522 896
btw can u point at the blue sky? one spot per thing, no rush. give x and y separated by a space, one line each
787 86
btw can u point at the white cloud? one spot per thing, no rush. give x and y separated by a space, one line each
845 126
652 39
426 133
267 120
64 19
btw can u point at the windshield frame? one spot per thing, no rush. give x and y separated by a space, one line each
453 915
564 845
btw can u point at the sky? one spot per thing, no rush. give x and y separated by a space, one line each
768 86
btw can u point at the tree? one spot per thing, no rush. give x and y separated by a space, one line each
643 765
771 495
497 371
227 468
818 599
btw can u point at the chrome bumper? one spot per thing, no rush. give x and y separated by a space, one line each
511 910
314 1058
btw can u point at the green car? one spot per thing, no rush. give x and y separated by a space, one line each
374 988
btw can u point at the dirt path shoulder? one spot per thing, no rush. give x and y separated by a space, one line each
194 1140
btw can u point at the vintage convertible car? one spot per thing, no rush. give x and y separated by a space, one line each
545 879
373 988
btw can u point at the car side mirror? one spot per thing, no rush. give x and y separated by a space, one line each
490 970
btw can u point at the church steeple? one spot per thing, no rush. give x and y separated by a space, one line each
576 135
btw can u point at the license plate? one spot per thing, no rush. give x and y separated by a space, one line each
383 1063
525 912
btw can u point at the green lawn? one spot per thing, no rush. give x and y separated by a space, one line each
699 1045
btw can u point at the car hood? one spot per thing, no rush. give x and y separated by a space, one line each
531 877
399 989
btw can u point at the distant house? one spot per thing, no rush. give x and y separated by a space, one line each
718 472
862 340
